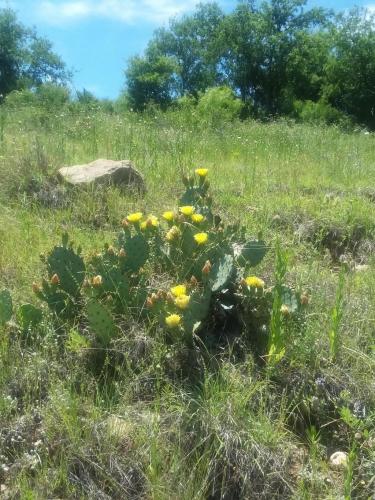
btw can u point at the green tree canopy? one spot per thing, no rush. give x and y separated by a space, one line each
26 60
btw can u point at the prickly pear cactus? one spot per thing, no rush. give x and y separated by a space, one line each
6 307
101 322
222 273
29 316
69 267
251 253
137 252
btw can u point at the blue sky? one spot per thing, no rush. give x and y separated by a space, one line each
97 37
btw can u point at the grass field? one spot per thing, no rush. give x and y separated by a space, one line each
148 431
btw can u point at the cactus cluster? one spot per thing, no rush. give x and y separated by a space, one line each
189 245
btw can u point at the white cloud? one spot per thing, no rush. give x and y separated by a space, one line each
128 11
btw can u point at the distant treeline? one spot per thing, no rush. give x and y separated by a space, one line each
278 57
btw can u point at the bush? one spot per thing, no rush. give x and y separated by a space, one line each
219 104
319 112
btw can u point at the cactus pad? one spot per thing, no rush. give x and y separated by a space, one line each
29 315
101 322
6 307
197 311
251 253
222 272
69 267
137 252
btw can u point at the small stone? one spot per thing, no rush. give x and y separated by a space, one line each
338 460
358 436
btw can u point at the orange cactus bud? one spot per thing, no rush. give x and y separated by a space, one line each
193 281
97 280
284 309
55 280
149 302
207 267
122 253
243 283
36 288
111 250
170 298
125 223
305 299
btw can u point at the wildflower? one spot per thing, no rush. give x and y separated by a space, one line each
135 217
197 218
201 238
36 288
187 210
97 280
207 267
254 282
178 290
168 215
201 172
173 320
122 253
284 309
173 233
182 301
55 280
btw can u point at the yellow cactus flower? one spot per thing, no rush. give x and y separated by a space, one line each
135 217
173 233
168 215
254 282
173 320
150 222
201 238
201 172
97 280
197 218
182 301
187 210
178 290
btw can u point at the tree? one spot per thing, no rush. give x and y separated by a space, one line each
189 41
350 72
256 46
26 60
150 80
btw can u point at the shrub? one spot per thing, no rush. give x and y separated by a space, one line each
319 112
219 104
